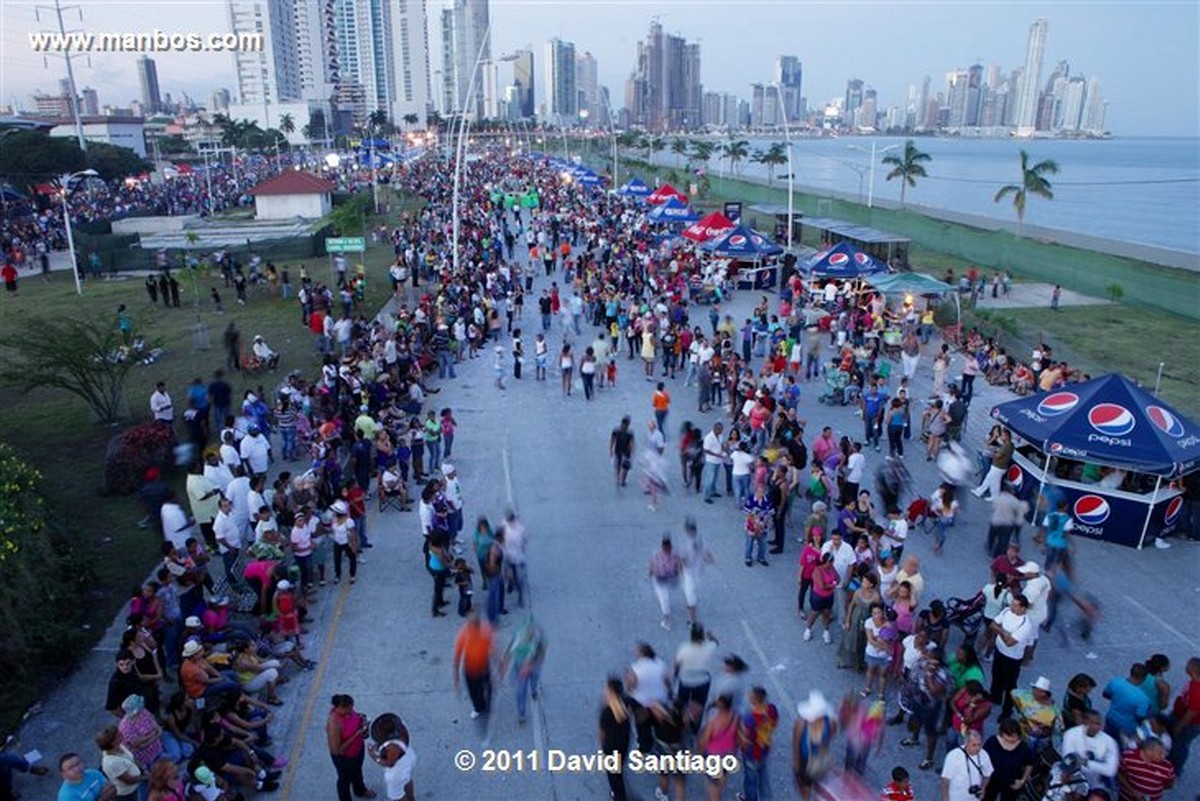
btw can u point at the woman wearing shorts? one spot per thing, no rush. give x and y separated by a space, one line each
825 583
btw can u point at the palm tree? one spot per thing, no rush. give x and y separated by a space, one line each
411 119
1032 182
702 151
736 153
286 123
680 148
772 158
655 144
378 120
907 167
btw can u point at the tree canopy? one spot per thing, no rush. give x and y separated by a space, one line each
32 157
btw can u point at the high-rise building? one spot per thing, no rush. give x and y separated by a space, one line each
975 95
560 101
447 74
299 59
789 73
148 78
91 102
219 102
1027 101
758 105
852 102
664 92
410 90
524 81
1095 108
587 86
472 43
865 118
1073 104
919 119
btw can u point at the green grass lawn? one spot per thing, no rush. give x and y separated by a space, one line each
54 430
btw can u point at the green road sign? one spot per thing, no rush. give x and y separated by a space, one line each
345 244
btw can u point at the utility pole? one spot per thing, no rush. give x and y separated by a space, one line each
66 56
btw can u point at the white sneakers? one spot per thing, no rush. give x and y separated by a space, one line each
807 635
825 637
1161 544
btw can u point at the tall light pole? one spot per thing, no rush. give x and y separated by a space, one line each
787 135
612 127
871 167
462 135
64 183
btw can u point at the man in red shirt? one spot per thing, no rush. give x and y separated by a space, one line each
1185 717
1145 774
472 660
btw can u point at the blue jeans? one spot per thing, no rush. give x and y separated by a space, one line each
755 782
940 524
288 438
176 750
743 486
1180 746
711 474
433 453
524 685
518 581
445 364
448 441
495 599
761 541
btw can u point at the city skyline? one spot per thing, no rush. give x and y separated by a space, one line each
1076 35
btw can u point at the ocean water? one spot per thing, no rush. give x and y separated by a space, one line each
1140 190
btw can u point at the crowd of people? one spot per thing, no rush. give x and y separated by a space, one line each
284 477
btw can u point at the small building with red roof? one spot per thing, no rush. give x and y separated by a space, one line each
291 194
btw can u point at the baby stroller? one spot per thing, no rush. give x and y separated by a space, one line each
835 384
966 614
1056 779
918 515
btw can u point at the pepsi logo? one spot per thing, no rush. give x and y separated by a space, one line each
1056 447
838 259
1015 476
1091 510
1166 422
862 258
1171 513
1111 419
737 240
756 239
1057 403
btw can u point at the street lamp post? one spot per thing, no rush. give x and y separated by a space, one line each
65 181
461 148
871 182
787 135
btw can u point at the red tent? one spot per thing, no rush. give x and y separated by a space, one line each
664 193
712 225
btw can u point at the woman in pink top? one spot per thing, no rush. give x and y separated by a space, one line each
810 555
719 738
345 731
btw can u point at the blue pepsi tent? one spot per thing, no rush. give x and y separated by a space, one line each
635 188
1107 421
742 244
843 261
673 211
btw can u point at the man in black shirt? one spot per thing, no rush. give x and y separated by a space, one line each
620 448
123 683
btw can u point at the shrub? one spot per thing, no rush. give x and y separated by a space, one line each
40 596
132 452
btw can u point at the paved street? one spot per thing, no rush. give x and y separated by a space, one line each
545 455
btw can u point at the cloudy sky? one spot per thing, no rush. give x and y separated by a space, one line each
1144 53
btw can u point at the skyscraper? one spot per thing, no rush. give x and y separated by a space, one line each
664 92
472 42
148 78
299 59
560 103
853 101
524 81
91 102
1027 101
587 86
788 74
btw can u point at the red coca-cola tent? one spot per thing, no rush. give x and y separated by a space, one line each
664 193
713 224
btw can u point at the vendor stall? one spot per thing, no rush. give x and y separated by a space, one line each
751 255
1114 451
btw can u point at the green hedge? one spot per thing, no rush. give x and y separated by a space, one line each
41 593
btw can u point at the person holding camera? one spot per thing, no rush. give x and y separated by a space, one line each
966 771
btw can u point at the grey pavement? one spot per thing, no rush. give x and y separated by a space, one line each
532 449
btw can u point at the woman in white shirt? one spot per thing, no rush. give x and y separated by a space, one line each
693 672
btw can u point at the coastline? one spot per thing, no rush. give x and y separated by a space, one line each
1155 277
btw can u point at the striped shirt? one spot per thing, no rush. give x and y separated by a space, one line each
1149 780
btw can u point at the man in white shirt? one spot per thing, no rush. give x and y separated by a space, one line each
714 457
843 556
238 493
1097 750
218 473
515 538
262 351
1013 632
255 452
161 406
856 465
202 495
228 536
896 532
230 456
966 768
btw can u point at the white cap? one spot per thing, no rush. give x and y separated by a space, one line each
1042 683
284 585
193 622
340 508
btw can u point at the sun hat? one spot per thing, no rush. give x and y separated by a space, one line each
191 648
1042 683
814 707
340 508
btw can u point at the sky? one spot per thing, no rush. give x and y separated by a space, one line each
1144 53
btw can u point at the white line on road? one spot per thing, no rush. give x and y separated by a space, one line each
772 675
1146 611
